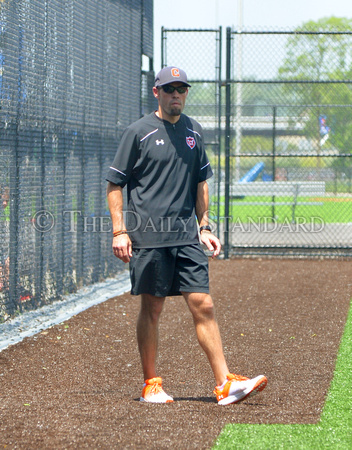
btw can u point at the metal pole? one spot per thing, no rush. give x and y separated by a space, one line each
239 91
219 128
14 249
40 293
274 160
162 48
227 142
141 112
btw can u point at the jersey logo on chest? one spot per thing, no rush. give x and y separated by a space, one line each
191 142
160 142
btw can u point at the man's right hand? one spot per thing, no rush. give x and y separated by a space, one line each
122 247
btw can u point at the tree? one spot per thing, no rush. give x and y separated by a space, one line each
319 63
320 55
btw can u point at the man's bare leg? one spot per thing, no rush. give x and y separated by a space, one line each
148 332
202 309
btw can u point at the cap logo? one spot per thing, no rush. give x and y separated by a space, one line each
191 142
175 72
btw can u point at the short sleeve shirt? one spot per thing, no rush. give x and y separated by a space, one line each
161 164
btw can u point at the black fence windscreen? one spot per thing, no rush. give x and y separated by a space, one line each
70 82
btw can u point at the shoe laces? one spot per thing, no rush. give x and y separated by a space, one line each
235 377
231 377
156 388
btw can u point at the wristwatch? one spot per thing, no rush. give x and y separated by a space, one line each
204 227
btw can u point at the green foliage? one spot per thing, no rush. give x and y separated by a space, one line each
319 57
201 100
322 57
255 144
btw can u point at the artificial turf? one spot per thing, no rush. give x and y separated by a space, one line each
328 210
334 431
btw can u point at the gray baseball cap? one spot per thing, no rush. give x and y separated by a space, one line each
171 74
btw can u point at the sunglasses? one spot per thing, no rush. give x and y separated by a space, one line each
170 89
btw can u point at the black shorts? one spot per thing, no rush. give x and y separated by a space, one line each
169 271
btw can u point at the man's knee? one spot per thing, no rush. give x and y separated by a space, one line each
200 304
151 306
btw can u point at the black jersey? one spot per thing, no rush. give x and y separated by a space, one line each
161 164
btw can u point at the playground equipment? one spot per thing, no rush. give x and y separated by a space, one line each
253 173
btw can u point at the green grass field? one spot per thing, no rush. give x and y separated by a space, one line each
334 431
329 210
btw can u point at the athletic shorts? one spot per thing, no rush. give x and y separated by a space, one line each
168 271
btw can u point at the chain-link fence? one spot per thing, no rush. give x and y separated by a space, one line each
283 120
70 82
199 52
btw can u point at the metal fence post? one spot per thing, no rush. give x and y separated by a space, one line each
274 160
14 249
227 142
163 43
219 131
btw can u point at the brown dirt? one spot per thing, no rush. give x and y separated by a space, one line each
77 384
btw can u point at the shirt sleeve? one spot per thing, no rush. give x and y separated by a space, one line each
125 159
205 172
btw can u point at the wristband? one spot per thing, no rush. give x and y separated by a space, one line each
204 227
117 233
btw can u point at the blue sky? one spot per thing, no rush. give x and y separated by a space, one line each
257 14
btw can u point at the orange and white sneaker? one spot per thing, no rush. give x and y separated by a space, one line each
237 388
154 393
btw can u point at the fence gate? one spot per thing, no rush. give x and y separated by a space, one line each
199 53
278 132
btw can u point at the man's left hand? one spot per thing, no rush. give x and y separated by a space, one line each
212 242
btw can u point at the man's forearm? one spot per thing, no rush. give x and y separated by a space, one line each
202 203
115 203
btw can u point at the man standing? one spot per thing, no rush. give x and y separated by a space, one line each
162 161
